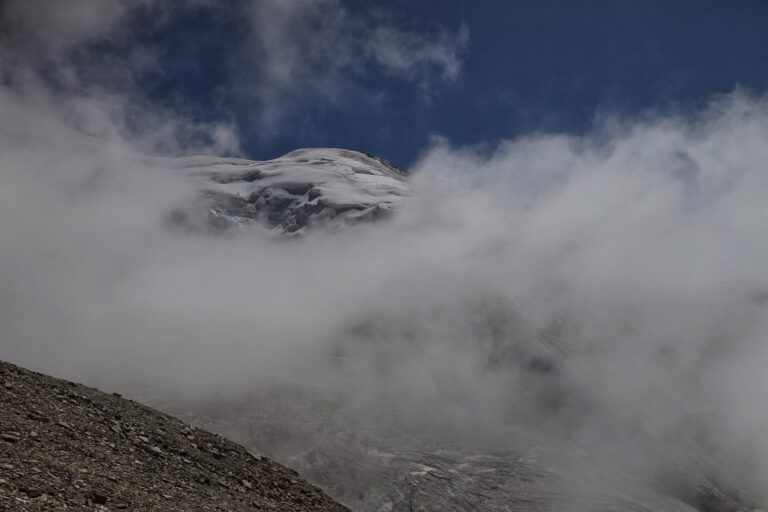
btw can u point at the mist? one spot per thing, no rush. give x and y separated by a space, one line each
608 290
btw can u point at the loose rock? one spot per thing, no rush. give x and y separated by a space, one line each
97 457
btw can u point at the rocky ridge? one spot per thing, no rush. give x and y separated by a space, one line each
65 446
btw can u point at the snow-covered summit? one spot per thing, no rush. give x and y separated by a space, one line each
302 189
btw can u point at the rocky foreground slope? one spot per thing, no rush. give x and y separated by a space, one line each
64 446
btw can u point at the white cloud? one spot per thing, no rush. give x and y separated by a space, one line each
42 51
67 23
307 52
297 55
419 56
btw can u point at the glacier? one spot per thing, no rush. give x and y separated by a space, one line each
305 189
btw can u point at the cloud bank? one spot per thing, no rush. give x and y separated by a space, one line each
602 288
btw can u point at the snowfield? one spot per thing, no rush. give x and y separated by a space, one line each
306 188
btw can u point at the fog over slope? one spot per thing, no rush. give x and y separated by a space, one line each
608 290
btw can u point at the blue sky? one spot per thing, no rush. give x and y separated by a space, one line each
387 77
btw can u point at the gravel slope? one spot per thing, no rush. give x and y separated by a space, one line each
66 446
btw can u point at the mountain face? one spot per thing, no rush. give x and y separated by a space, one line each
304 189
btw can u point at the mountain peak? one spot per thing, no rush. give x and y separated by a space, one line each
304 189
